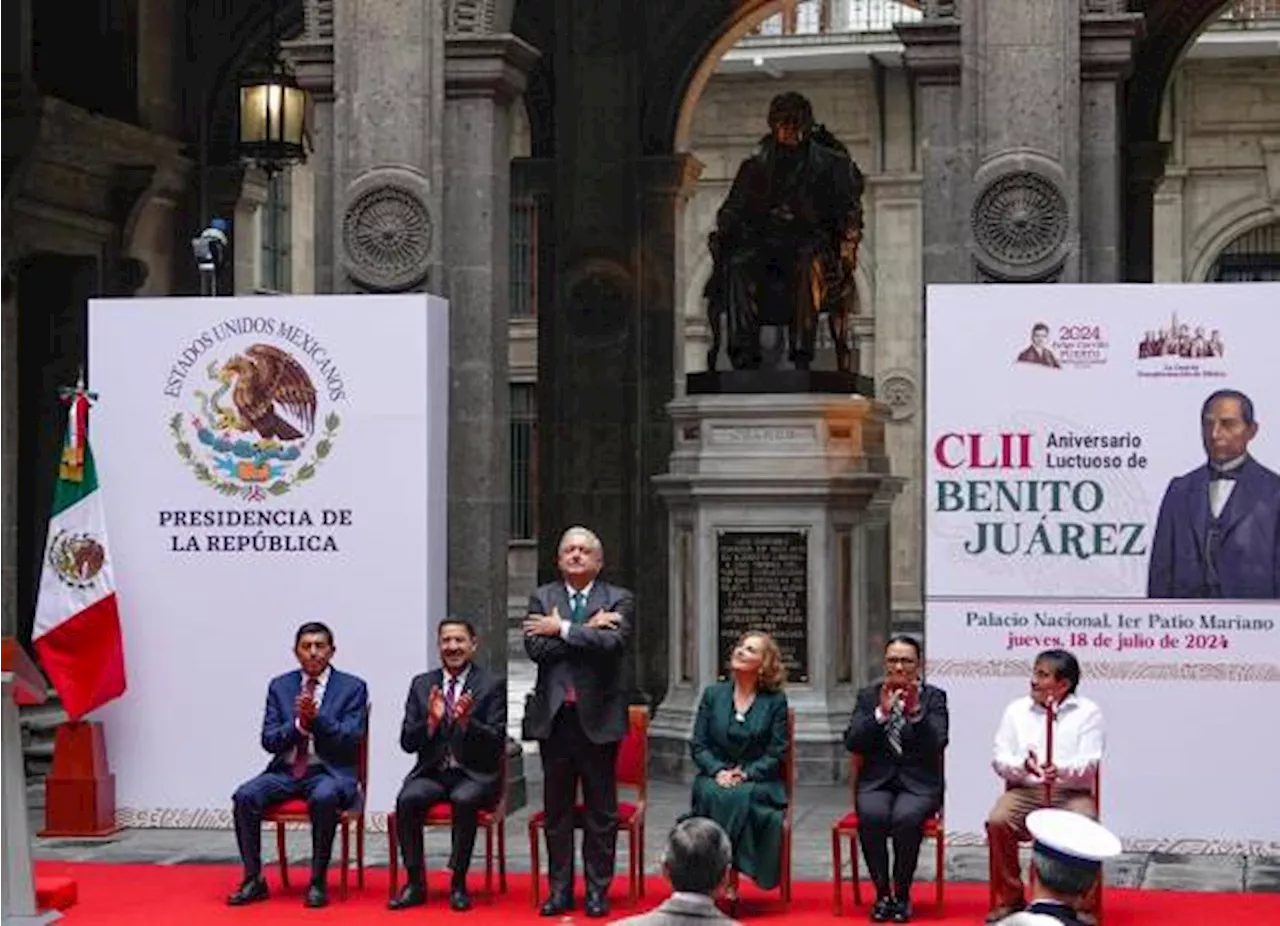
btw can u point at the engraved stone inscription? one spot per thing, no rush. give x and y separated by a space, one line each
763 584
761 434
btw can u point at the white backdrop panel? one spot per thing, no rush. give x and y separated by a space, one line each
215 562
1013 568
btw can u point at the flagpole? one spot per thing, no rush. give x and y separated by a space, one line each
76 636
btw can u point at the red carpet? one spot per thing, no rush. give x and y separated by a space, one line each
193 895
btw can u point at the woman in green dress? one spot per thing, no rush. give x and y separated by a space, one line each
739 744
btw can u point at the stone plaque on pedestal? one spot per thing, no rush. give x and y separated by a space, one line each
762 582
778 512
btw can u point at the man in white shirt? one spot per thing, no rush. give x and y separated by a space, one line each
1029 771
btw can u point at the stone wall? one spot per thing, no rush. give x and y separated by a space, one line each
1223 175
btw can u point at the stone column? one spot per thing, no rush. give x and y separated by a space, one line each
312 57
16 49
1106 58
933 57
9 411
666 183
895 211
483 75
1143 169
236 193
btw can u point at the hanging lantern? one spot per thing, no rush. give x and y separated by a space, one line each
273 118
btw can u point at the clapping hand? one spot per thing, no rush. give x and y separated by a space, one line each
462 709
889 696
435 707
305 708
911 704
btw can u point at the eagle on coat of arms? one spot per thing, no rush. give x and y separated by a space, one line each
265 377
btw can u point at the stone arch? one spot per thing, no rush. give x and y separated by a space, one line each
1171 27
1233 223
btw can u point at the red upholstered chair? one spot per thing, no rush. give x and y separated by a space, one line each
295 811
789 781
1096 791
847 828
631 770
441 815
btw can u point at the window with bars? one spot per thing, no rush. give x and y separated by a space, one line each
275 267
1253 257
524 456
524 256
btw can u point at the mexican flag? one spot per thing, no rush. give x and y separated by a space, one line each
77 628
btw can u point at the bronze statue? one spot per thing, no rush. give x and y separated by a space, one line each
786 242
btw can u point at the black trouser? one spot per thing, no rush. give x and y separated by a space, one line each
568 757
419 795
885 813
327 796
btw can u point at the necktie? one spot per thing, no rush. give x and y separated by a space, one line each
450 695
302 755
893 730
578 607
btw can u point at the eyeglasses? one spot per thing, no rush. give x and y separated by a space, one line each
900 661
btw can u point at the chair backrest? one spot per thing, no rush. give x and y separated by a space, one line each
632 765
362 753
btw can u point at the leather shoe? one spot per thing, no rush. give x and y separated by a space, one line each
902 911
251 891
316 897
459 899
412 894
597 906
883 910
556 904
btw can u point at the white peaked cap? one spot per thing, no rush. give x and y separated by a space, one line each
1071 837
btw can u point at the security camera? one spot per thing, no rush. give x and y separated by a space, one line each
209 247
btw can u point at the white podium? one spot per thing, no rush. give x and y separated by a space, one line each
22 680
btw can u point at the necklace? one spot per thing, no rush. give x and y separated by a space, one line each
740 713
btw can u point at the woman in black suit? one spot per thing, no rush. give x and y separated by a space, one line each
899 728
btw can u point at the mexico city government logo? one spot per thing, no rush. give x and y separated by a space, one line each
257 400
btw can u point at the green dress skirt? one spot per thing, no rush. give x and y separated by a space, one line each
751 812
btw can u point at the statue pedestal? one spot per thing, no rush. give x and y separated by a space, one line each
778 514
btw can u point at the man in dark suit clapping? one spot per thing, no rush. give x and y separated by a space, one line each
576 633
312 725
899 728
455 720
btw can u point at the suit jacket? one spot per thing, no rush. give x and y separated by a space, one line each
478 749
590 660
1049 359
760 753
336 731
919 768
1248 557
677 911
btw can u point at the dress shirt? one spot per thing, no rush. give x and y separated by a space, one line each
697 900
585 592
1220 489
1078 740
322 682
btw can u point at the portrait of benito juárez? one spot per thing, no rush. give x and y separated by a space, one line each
1218 531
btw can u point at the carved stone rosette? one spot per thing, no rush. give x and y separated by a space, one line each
387 231
1021 223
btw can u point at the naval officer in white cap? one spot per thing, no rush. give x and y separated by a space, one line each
1067 852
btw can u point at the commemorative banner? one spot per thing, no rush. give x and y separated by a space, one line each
272 460
1102 476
